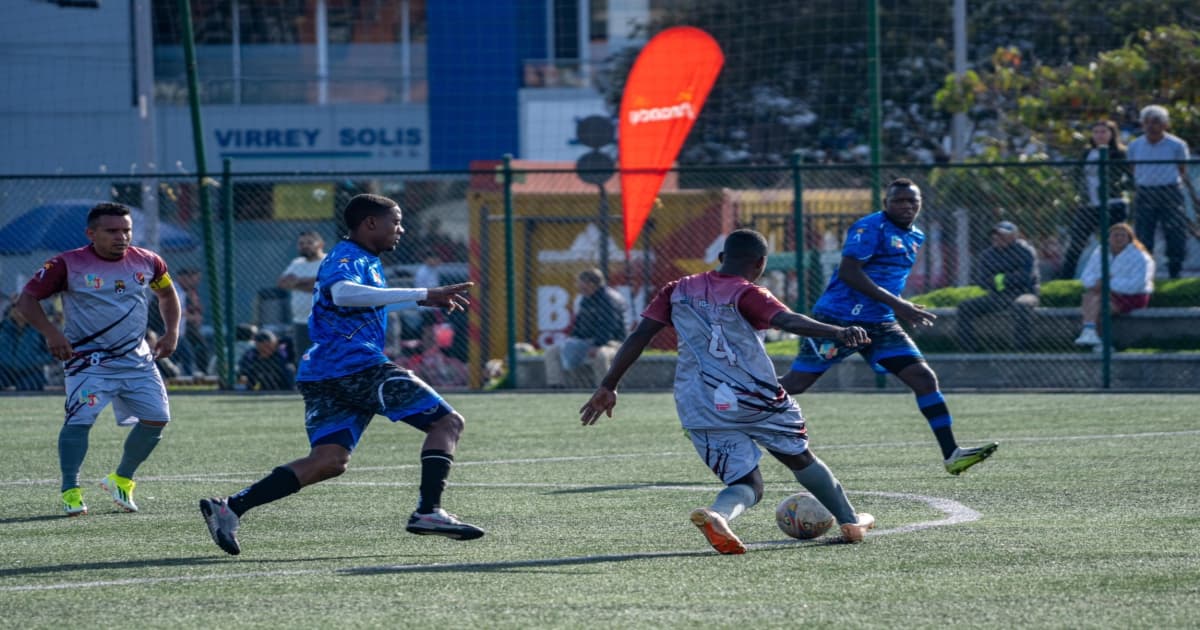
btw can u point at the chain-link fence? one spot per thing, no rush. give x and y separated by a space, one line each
525 236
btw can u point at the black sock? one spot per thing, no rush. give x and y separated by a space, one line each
277 485
435 468
945 438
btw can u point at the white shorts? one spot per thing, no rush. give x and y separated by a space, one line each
733 454
135 396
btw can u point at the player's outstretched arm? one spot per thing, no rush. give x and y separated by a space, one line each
797 324
605 397
451 297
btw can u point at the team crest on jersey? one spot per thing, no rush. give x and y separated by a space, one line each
41 273
858 234
897 242
343 263
119 285
88 398
93 281
140 278
375 276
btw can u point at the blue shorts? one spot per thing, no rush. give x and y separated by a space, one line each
888 340
338 410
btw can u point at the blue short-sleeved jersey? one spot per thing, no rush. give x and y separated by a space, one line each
346 339
888 253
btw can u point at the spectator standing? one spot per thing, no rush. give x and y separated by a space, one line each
1130 280
1087 215
1158 199
23 354
596 333
266 367
193 354
299 278
103 346
1008 271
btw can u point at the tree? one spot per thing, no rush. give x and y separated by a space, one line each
795 73
1033 107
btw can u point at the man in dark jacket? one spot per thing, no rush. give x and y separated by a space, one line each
597 332
1008 271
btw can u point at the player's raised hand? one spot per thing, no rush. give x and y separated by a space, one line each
602 402
451 297
914 314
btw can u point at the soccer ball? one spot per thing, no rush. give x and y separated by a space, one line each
802 516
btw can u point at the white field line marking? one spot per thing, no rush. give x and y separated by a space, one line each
252 476
954 512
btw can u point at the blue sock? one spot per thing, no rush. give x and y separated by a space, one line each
72 447
734 500
141 441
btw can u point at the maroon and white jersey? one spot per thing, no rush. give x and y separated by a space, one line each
106 304
724 378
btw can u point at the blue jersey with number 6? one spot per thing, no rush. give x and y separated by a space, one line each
888 253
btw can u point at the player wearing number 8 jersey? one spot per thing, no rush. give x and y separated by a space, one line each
103 346
878 255
726 392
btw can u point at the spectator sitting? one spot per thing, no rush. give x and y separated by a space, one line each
1130 280
265 367
431 362
597 332
1008 271
24 354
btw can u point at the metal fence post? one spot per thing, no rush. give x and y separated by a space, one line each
225 338
510 298
798 227
1105 291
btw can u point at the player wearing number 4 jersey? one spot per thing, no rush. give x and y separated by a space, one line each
346 380
726 393
878 255
103 346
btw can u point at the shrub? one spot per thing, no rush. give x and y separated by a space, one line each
1167 293
1178 292
948 296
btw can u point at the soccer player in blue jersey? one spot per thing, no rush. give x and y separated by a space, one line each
346 379
877 257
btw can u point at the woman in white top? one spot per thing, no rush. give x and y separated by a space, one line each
1131 280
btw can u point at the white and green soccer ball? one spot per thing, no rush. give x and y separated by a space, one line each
802 516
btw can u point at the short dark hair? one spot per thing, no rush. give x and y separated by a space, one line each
902 182
366 205
592 276
745 245
107 209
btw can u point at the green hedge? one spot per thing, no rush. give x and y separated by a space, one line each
1167 293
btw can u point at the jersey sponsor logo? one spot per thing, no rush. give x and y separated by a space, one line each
41 273
858 234
343 263
119 285
93 281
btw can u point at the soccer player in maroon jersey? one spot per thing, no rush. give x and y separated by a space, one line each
104 288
